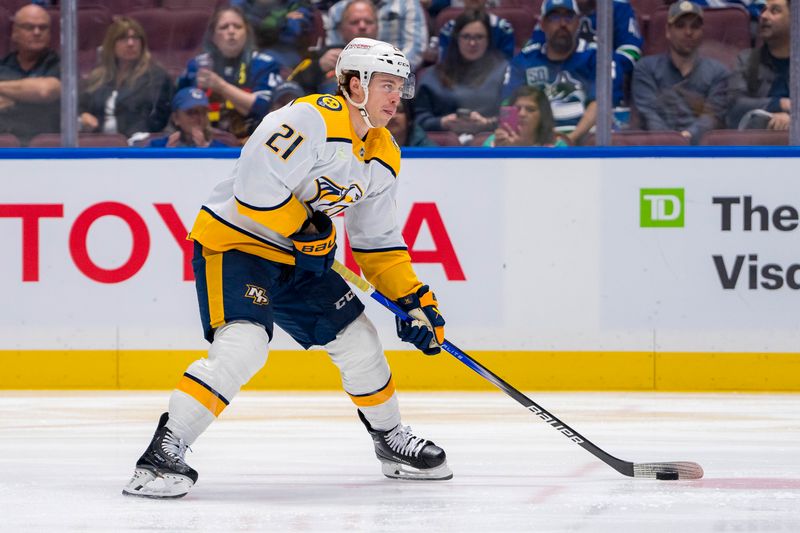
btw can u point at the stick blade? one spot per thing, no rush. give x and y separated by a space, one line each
683 469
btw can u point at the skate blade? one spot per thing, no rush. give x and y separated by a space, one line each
401 471
147 484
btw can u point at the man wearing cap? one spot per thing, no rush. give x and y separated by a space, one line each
625 30
565 67
760 81
190 117
679 90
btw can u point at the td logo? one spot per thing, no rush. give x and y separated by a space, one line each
661 208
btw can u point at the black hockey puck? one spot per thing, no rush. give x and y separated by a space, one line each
666 476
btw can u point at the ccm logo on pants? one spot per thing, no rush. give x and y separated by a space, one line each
344 299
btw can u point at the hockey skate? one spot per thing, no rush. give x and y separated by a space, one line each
161 471
406 456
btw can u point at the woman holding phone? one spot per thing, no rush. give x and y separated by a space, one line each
462 93
527 122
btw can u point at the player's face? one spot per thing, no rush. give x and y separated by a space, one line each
774 20
230 34
398 126
685 35
384 96
128 47
31 32
473 39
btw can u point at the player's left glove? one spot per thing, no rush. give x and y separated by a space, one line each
425 330
315 244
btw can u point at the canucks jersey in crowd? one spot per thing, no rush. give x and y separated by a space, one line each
304 157
754 7
569 84
502 36
627 36
254 72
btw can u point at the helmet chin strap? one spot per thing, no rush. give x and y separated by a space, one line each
362 107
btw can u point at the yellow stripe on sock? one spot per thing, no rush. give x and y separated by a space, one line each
374 398
209 398
216 307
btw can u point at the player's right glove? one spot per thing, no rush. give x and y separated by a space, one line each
425 330
315 244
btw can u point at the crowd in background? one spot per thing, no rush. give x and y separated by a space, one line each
482 79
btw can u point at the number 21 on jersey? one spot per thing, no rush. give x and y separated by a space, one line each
292 139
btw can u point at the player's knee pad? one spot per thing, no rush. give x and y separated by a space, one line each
239 351
358 353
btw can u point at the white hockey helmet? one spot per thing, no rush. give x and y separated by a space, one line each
368 56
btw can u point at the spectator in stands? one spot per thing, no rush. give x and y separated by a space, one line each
400 22
284 93
680 90
30 89
128 92
316 73
190 117
281 27
238 79
565 68
462 93
627 36
502 33
405 131
759 84
534 122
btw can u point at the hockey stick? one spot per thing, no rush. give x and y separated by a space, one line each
664 471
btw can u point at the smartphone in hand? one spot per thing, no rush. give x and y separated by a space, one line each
463 113
509 117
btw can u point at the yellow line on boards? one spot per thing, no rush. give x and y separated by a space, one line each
313 370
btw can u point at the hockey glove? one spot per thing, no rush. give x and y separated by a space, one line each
315 244
425 330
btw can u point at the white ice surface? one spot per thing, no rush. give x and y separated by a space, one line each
303 462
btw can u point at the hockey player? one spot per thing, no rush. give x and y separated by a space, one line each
264 247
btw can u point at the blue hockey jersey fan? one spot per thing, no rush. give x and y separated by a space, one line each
569 84
627 36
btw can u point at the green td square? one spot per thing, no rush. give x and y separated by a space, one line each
661 208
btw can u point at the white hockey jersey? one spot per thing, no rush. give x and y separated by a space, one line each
306 157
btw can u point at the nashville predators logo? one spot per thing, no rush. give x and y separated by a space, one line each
258 295
329 102
332 198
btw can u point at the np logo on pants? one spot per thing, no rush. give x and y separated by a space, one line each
258 295
661 208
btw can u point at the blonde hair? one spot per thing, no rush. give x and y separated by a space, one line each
106 72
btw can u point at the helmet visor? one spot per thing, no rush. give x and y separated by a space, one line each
409 87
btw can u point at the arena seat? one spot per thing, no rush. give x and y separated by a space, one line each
8 140
745 138
5 31
534 6
174 36
206 5
97 140
444 138
92 25
645 8
123 7
727 25
641 138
